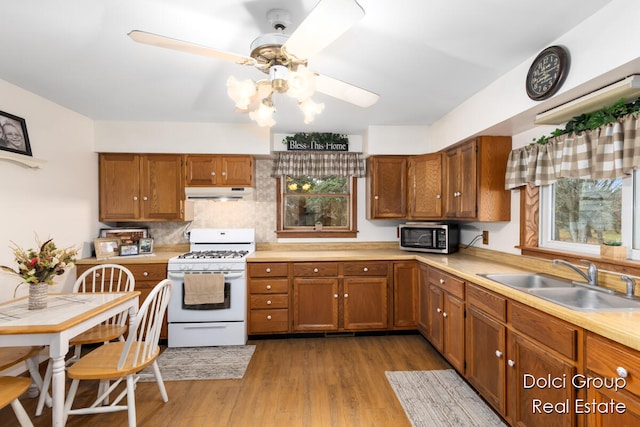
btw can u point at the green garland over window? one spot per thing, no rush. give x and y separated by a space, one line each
591 121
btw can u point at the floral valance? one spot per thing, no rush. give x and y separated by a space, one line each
318 164
608 152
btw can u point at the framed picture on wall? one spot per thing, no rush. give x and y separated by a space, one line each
13 134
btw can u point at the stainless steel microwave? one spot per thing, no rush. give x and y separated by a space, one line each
429 237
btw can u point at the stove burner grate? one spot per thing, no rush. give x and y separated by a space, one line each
213 254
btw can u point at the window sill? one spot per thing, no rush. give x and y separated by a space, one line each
315 234
624 266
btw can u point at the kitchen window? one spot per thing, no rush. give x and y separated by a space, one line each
311 206
578 215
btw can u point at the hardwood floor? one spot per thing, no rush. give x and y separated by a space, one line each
322 381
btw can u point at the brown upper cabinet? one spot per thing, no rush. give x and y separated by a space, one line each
387 187
474 187
425 186
206 170
140 187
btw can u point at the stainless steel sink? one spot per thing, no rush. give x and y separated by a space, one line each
529 280
584 299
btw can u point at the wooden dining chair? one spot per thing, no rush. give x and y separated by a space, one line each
11 356
121 361
100 278
11 388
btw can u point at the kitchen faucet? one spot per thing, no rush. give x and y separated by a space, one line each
631 285
592 273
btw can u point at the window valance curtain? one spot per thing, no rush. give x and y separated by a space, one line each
608 152
315 163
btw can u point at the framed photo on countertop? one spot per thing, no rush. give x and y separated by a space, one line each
128 249
106 247
13 134
126 235
145 245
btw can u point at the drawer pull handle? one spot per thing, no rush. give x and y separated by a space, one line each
622 373
268 270
511 363
268 302
498 353
442 281
97 274
145 274
268 287
439 310
365 269
315 270
269 317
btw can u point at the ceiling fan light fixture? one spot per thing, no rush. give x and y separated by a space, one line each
302 83
241 91
310 109
263 115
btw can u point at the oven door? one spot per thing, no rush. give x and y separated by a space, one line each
234 281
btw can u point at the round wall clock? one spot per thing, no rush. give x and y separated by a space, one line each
547 73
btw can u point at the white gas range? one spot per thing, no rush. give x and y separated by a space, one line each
212 252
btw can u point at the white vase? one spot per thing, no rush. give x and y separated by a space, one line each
38 295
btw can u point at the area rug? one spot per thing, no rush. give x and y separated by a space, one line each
440 398
201 363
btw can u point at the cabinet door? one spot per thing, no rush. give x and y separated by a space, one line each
161 188
119 187
486 353
387 187
603 397
315 304
527 362
237 170
452 167
365 303
425 186
436 325
467 184
201 170
423 297
453 316
405 294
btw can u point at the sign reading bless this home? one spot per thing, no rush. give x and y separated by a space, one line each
313 145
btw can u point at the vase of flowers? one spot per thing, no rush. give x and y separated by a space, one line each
39 266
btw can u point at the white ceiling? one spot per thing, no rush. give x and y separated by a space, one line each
423 57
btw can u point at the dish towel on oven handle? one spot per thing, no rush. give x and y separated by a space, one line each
203 289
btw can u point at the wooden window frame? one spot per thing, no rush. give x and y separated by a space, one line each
328 233
529 238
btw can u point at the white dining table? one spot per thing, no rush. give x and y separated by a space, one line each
65 316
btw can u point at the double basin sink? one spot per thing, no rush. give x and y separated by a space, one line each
573 295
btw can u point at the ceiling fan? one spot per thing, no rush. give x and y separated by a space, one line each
284 58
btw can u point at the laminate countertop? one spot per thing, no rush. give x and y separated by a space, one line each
622 327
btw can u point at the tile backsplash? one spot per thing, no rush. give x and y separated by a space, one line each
259 214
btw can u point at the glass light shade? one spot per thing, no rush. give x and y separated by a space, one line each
263 115
310 109
241 91
302 83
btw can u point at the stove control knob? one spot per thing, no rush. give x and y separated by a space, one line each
206 267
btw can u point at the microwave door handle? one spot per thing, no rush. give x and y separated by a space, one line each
434 240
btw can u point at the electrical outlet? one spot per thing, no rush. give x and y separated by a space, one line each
485 237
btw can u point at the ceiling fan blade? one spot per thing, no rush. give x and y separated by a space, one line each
182 46
345 91
326 22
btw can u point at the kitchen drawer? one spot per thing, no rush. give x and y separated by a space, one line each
365 268
267 269
549 331
153 272
269 286
487 301
451 284
604 357
269 301
312 269
276 320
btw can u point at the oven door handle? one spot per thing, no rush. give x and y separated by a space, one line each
180 276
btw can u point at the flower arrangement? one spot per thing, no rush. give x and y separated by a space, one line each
43 264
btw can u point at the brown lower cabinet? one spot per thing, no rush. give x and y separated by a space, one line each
147 276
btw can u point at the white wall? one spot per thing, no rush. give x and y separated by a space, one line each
59 200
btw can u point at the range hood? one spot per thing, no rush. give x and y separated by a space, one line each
628 88
219 193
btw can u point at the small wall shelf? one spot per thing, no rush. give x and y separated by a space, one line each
31 162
